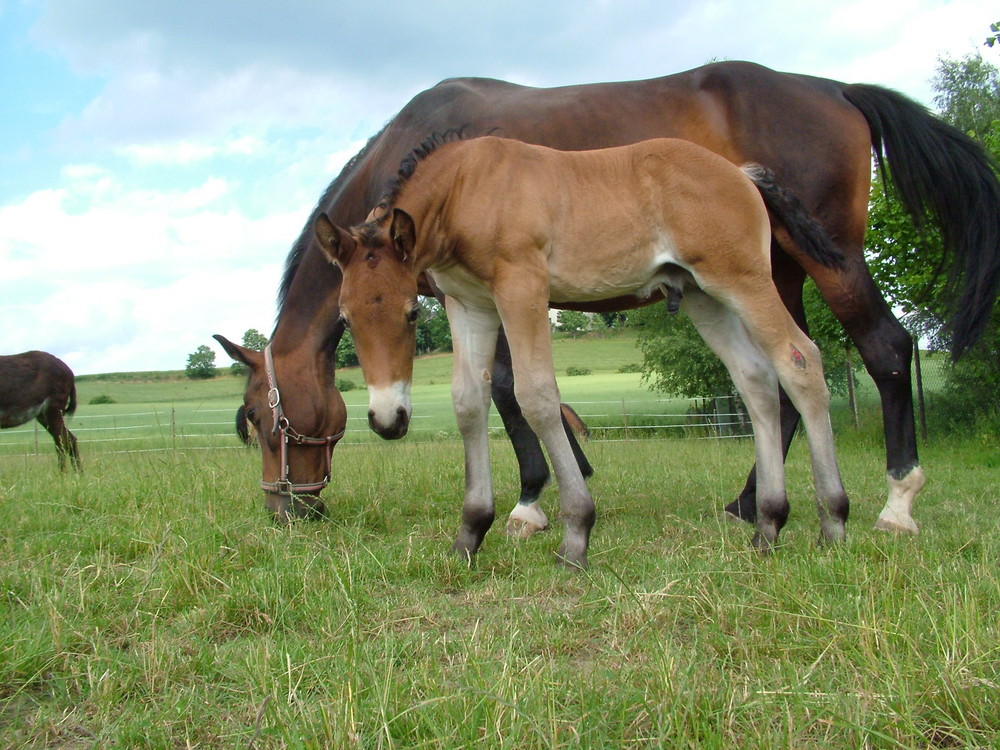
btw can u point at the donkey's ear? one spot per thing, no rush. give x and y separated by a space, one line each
403 232
336 243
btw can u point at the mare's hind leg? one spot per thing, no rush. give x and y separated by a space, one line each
527 516
886 350
755 379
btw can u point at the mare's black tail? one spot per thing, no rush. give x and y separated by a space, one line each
805 231
944 177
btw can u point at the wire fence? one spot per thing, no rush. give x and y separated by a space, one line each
168 428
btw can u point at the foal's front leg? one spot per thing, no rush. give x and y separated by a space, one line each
473 334
524 310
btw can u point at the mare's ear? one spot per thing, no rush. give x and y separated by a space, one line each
252 359
336 243
403 232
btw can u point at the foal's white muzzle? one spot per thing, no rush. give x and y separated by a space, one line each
389 410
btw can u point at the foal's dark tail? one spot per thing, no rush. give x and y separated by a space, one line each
804 230
945 178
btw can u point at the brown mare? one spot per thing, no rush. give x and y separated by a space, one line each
603 228
816 135
36 385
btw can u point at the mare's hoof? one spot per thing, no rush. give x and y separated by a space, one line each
897 525
742 510
519 528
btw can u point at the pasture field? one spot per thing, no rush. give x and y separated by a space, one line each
150 603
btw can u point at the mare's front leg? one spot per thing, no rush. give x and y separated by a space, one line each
473 334
527 517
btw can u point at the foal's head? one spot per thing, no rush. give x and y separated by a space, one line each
378 301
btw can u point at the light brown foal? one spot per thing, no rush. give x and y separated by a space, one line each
507 229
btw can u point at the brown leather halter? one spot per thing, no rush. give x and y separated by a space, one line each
280 424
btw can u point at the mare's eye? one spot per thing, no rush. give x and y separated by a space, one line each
414 314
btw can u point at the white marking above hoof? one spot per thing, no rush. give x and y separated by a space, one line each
895 516
526 521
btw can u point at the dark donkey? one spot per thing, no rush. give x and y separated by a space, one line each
36 385
815 135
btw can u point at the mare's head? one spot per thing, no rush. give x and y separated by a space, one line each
297 426
378 301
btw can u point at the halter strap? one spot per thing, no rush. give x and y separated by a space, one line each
281 426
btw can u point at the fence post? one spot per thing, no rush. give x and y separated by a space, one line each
920 388
625 418
173 428
852 399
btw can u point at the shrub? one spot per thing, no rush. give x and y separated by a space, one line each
576 370
102 399
346 384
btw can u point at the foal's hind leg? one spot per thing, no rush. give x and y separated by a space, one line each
797 362
755 379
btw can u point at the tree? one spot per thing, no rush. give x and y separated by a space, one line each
433 330
201 363
573 322
252 339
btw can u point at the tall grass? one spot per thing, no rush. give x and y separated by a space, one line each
150 603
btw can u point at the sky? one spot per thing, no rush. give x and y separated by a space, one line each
159 159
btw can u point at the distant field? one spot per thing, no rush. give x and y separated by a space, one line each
153 411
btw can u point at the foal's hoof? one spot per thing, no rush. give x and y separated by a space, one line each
519 528
897 525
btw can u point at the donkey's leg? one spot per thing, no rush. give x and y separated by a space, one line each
473 333
527 516
54 423
755 379
523 307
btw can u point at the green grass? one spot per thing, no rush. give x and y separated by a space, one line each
150 603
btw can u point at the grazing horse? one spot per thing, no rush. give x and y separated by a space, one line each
36 385
816 135
603 228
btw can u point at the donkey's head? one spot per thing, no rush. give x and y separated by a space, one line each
378 301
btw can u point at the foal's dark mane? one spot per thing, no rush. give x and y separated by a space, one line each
406 168
409 164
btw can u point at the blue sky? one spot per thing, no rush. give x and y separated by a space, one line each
158 160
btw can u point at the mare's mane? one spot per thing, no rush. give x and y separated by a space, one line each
302 243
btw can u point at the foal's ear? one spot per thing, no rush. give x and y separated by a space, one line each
336 243
403 232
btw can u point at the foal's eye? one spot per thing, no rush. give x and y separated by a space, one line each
345 321
252 415
414 314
